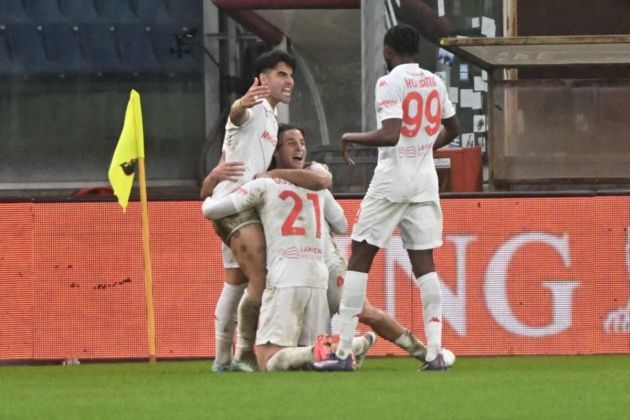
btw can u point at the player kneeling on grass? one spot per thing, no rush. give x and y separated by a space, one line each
294 307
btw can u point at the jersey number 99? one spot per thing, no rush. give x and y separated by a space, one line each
431 109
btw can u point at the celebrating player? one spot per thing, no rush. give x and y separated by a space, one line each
294 308
412 105
250 141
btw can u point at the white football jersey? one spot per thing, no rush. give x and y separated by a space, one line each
294 221
406 172
252 143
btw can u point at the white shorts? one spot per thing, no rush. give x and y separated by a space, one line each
420 224
292 316
228 257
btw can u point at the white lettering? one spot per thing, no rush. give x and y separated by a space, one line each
561 291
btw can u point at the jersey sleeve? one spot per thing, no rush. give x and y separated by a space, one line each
388 99
252 195
230 127
448 110
333 214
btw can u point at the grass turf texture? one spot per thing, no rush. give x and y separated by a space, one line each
476 388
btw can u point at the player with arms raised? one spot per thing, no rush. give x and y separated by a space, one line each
414 117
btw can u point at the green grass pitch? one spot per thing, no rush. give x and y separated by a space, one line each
559 387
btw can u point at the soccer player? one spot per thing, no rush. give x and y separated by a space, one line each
250 140
382 323
294 308
414 117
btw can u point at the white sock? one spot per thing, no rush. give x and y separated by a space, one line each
411 345
248 311
290 358
360 344
350 307
225 321
431 295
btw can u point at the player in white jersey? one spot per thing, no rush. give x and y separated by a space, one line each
382 323
249 144
414 117
295 307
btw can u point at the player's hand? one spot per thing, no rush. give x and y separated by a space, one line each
228 171
255 94
346 144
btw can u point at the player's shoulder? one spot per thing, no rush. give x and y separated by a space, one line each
386 81
261 183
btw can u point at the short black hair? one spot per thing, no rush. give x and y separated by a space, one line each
270 59
404 39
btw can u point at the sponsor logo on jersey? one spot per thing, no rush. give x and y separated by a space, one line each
269 138
412 152
382 83
305 252
387 103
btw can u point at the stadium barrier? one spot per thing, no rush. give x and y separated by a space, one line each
520 276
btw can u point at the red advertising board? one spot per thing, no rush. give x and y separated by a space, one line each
519 276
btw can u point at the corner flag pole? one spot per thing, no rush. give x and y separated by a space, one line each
148 276
129 150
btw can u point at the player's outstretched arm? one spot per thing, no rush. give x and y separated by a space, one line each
251 195
215 209
386 136
239 113
311 180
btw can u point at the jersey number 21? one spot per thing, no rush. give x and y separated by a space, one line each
288 227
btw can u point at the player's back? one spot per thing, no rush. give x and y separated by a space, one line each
406 172
293 220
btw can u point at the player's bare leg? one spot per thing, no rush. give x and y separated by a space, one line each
388 328
225 316
278 358
248 247
427 281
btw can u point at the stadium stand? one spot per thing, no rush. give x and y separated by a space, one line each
96 37
5 57
63 50
79 11
174 49
43 10
27 49
100 47
185 11
153 11
136 50
115 11
12 11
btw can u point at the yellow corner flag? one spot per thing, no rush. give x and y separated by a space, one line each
130 147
